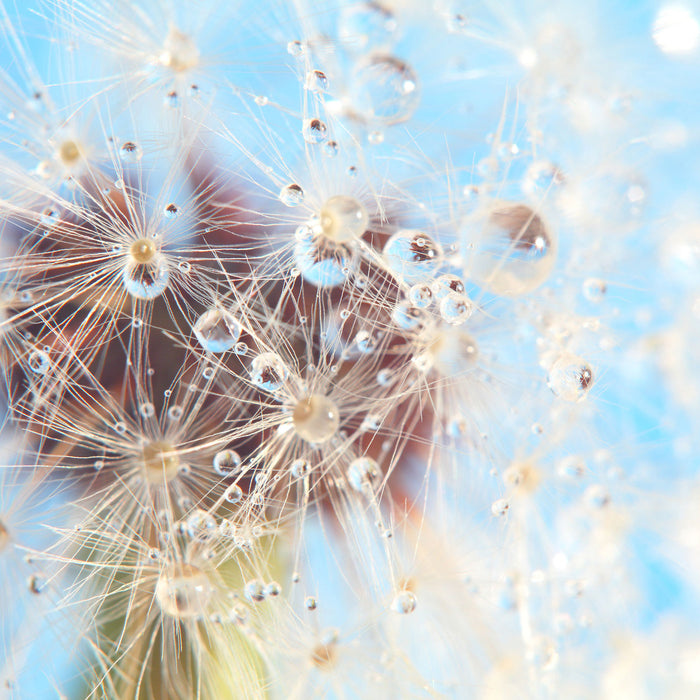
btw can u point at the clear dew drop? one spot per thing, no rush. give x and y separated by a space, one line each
200 525
175 413
539 177
363 474
500 507
595 289
316 419
330 149
456 308
516 251
316 81
146 280
404 602
314 131
310 603
272 589
38 362
254 591
343 218
292 195
147 409
295 48
50 217
447 284
227 463
217 330
234 494
570 378
366 26
171 211
406 316
320 261
183 591
365 342
384 90
420 295
268 371
412 255
300 468
130 152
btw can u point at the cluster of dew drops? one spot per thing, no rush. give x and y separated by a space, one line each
345 297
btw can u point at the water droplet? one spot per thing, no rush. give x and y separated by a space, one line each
321 262
37 583
183 591
227 463
130 152
147 409
384 89
171 99
595 289
254 591
343 218
310 603
412 255
38 362
420 295
570 378
200 525
316 418
365 342
268 371
175 413
146 280
363 474
217 330
292 195
295 48
404 602
330 149
314 131
234 494
316 81
406 316
447 284
366 26
300 468
171 211
500 507
456 308
597 496
272 589
515 252
50 217
540 177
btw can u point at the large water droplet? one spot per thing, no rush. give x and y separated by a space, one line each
385 90
217 330
515 252
130 152
412 255
268 371
570 378
292 195
314 131
146 280
363 473
320 261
